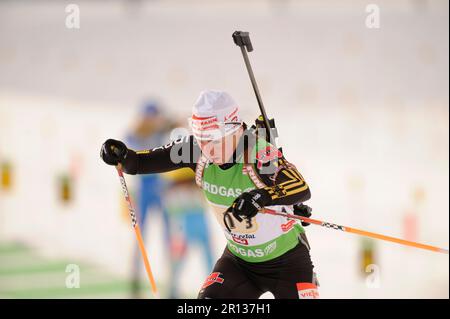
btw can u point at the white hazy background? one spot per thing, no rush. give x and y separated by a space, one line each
363 113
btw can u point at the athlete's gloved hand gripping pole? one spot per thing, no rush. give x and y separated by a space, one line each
242 39
113 153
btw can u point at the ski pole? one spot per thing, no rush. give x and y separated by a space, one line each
137 231
357 231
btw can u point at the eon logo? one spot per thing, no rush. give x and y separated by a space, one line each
286 227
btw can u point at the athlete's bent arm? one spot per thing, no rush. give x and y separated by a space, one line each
288 187
285 186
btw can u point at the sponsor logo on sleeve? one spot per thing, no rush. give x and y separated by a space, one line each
214 277
307 290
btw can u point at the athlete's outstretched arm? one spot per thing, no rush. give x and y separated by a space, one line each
177 154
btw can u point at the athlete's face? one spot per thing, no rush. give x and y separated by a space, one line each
220 151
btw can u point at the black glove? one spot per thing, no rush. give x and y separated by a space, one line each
303 210
113 152
248 204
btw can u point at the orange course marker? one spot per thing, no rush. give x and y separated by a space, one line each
358 231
